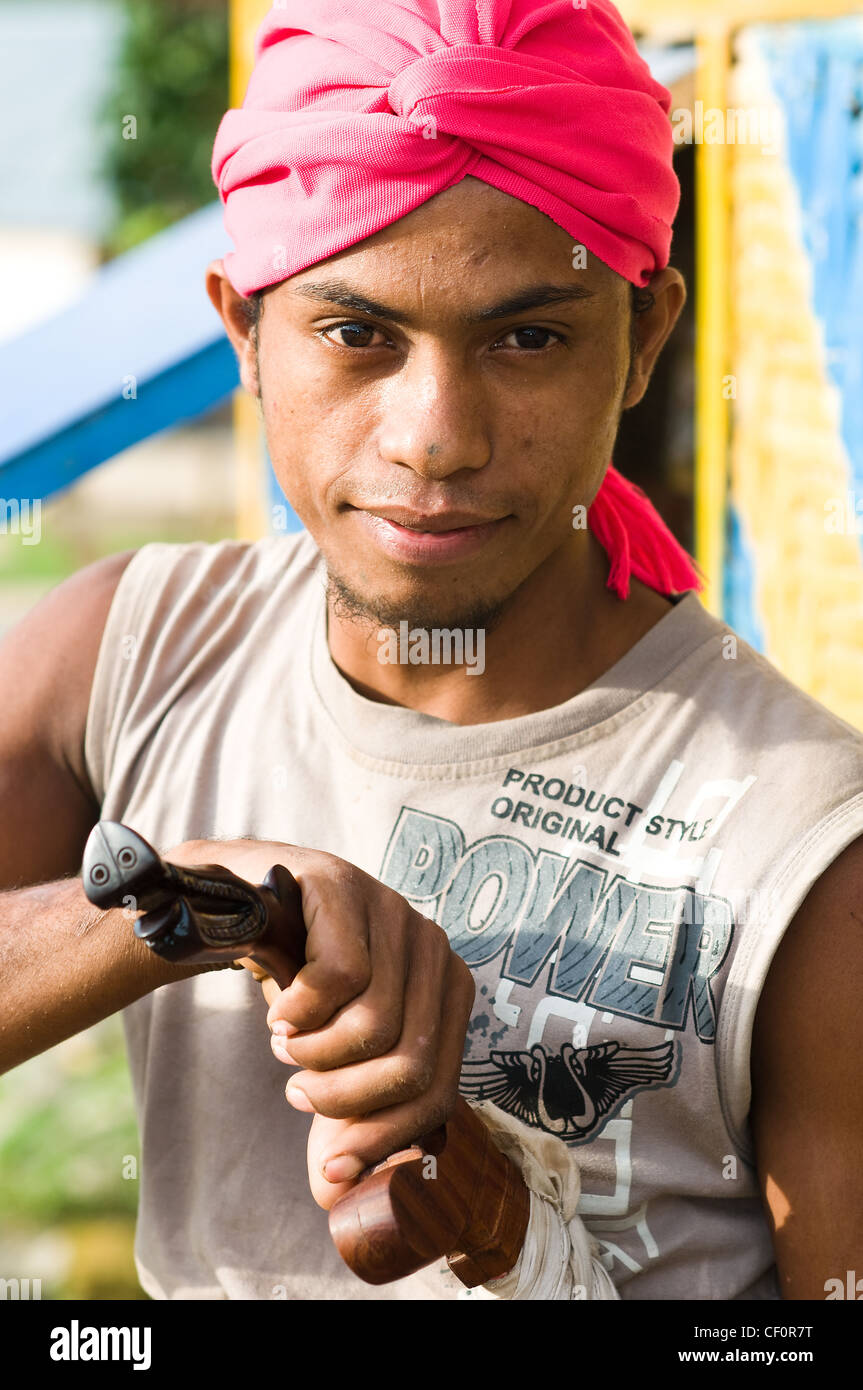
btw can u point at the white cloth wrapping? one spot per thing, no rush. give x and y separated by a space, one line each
559 1258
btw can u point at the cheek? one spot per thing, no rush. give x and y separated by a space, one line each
312 428
561 450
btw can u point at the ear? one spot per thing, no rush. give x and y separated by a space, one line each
652 328
230 305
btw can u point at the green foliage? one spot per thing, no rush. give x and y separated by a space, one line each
173 79
66 1125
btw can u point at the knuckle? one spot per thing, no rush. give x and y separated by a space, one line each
415 1074
436 932
463 982
348 977
375 1035
339 872
436 940
467 977
331 876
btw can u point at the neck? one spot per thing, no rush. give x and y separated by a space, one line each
559 633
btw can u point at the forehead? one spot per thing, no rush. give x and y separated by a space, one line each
470 240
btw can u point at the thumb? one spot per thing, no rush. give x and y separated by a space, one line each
326 1136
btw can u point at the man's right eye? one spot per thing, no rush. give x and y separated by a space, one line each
354 335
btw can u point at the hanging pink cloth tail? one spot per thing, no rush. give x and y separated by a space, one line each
637 540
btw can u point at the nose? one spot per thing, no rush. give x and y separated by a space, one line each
432 420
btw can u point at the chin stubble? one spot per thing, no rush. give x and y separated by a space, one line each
376 612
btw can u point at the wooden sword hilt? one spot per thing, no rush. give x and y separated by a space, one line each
452 1193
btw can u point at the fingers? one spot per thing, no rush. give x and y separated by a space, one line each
270 989
375 1135
354 980
338 961
402 1063
257 972
323 1135
375 1019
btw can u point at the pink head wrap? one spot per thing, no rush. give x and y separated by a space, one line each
359 111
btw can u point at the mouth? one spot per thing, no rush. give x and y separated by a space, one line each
425 537
432 523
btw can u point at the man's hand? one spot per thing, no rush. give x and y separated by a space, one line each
376 1018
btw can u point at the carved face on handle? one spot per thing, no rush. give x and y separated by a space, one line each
206 912
119 864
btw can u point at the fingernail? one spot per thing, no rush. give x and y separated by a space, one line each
343 1168
282 1053
282 1028
299 1100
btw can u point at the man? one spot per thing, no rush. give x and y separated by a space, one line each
563 841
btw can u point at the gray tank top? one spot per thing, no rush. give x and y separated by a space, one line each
617 870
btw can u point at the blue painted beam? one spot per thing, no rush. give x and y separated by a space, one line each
142 350
188 389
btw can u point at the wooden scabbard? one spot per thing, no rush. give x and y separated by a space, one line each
455 1194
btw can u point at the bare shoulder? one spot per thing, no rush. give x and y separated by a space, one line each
47 664
47 660
823 943
817 972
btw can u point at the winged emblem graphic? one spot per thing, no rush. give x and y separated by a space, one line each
569 1093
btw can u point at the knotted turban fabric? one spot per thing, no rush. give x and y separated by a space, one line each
359 111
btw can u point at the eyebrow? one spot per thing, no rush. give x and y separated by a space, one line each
532 297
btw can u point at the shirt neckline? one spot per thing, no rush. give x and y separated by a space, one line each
401 739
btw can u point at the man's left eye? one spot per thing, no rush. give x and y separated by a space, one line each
531 339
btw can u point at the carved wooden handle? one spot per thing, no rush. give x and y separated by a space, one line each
451 1194
201 914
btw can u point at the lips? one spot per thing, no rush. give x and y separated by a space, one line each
428 538
431 523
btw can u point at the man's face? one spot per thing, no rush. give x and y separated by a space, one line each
403 387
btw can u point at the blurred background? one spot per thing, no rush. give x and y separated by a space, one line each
76 193
120 421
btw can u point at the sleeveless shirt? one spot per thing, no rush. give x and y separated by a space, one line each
617 870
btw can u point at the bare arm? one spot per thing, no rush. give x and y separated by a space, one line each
63 964
807 1105
382 1001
